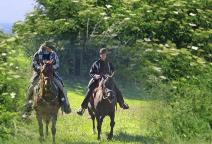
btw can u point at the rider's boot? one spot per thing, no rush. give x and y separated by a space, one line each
84 104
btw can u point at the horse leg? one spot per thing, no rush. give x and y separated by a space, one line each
47 125
99 126
93 119
112 123
54 120
40 124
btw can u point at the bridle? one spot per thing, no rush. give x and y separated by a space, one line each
105 78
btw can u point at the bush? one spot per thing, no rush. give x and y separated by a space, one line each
185 110
12 83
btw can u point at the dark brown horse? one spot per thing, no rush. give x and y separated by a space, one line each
46 100
103 104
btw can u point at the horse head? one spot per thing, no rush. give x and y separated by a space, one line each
47 75
106 84
107 81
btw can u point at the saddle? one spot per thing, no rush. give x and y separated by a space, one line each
39 99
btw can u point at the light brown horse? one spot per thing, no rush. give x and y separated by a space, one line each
46 100
103 104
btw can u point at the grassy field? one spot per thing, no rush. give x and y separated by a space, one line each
131 125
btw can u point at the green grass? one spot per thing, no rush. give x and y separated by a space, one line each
131 125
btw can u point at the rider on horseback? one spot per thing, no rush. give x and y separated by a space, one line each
100 67
45 53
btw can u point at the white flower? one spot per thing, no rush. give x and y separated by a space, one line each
113 35
194 48
176 12
103 14
147 39
3 54
158 69
174 87
126 18
192 14
133 14
108 6
166 45
24 116
192 24
162 77
147 50
106 18
12 95
29 15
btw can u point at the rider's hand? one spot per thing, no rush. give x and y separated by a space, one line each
97 77
38 68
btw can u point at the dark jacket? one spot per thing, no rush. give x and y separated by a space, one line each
100 67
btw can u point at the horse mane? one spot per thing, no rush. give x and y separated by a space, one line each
41 83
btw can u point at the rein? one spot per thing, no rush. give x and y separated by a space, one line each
105 95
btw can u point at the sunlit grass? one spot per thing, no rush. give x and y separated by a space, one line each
131 125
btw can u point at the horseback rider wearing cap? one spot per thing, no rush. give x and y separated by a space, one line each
45 53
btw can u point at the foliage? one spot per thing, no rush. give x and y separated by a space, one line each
185 112
163 46
12 83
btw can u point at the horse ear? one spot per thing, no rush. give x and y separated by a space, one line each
113 74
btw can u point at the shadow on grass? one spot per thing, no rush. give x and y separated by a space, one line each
76 85
125 137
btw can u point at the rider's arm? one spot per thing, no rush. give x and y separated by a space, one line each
35 60
55 60
93 70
